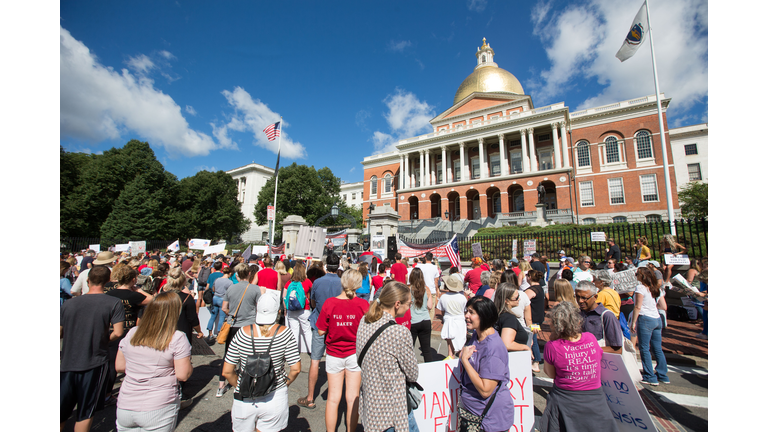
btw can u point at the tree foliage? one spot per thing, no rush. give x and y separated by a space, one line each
208 207
694 200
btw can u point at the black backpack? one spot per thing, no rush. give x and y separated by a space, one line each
208 296
258 377
202 277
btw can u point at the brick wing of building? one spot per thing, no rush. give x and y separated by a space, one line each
488 152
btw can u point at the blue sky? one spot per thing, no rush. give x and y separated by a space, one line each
200 80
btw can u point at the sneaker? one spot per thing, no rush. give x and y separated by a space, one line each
701 336
664 382
220 392
185 403
535 367
649 383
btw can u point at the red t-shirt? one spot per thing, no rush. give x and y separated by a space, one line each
473 278
399 272
378 282
268 278
516 270
485 267
340 319
405 320
307 284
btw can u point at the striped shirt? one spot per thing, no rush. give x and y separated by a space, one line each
284 350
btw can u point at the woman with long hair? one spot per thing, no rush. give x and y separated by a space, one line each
484 370
577 401
388 363
298 320
512 333
421 323
669 245
646 322
269 412
364 291
315 271
564 292
155 357
643 251
339 320
522 280
523 310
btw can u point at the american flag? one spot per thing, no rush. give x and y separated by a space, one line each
449 249
452 250
272 131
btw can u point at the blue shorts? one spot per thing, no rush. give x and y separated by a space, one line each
84 389
318 346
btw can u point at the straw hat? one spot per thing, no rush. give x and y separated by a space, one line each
453 282
104 258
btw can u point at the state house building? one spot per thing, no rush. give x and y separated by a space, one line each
488 152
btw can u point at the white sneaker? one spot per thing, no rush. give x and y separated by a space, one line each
535 367
220 392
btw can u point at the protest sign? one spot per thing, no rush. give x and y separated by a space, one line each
95 247
677 259
123 247
529 247
138 247
598 236
199 244
477 250
513 252
270 213
260 249
624 281
438 410
173 246
623 399
217 249
378 246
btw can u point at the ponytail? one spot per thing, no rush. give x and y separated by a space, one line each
391 293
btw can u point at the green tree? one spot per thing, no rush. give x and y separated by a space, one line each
140 212
694 200
208 207
71 166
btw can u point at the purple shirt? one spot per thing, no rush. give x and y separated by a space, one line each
577 364
150 379
491 361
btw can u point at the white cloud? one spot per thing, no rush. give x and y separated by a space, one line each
407 117
98 103
477 5
361 118
190 110
581 43
398 46
421 65
253 116
140 64
205 168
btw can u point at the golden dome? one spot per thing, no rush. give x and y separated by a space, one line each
488 78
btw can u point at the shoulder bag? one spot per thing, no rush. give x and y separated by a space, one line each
412 389
258 377
469 422
224 330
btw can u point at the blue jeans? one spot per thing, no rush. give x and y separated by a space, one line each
412 426
216 314
649 338
535 349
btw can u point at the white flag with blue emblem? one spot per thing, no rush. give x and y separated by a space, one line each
636 35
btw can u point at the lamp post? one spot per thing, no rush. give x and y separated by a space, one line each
371 208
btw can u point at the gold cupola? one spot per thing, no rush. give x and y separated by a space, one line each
487 77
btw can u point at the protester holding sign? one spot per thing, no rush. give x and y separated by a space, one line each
572 358
484 368
646 322
670 246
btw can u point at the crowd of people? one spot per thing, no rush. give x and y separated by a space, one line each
138 316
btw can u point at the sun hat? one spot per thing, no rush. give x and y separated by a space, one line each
104 258
453 282
266 308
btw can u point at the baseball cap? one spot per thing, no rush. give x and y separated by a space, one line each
514 260
266 308
562 252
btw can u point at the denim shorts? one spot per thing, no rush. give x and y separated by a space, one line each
318 346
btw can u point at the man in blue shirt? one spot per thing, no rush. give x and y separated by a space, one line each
598 320
322 289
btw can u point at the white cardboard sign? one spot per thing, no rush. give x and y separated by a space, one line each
622 397
677 259
219 248
624 281
529 247
438 411
598 236
95 247
123 247
138 247
199 244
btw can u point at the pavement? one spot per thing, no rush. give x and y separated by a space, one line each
681 405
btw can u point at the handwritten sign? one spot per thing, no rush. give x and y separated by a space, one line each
477 250
438 411
623 399
123 247
95 247
529 247
219 248
598 236
677 260
514 248
624 281
138 247
270 213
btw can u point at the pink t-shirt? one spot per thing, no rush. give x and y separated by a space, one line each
340 318
307 285
268 278
577 364
150 379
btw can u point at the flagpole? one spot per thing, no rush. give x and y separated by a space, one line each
667 182
277 175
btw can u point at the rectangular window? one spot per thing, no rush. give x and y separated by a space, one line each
544 137
387 184
475 168
694 172
417 176
457 170
439 174
587 197
545 160
516 161
495 165
616 190
648 188
345 197
691 149
353 195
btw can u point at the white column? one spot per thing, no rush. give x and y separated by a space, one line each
463 171
407 176
428 166
534 157
564 137
421 168
503 156
483 173
445 166
556 146
524 145
402 172
412 173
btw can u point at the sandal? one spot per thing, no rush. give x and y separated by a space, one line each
306 403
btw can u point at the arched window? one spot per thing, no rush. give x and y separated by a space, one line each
651 218
589 221
374 185
518 201
612 150
619 219
388 183
483 58
644 147
582 154
496 201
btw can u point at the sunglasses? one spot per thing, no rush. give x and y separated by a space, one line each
579 298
